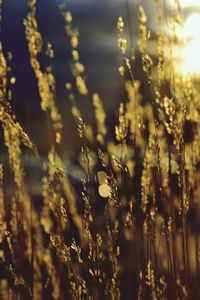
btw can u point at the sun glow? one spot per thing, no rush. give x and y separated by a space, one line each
190 52
191 59
189 3
186 3
188 55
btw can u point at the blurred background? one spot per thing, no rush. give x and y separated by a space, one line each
96 21
99 54
98 50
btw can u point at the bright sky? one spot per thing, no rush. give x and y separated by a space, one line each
190 53
186 3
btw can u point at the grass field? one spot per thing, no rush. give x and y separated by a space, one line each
117 216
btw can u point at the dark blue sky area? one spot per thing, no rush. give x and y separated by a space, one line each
96 20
